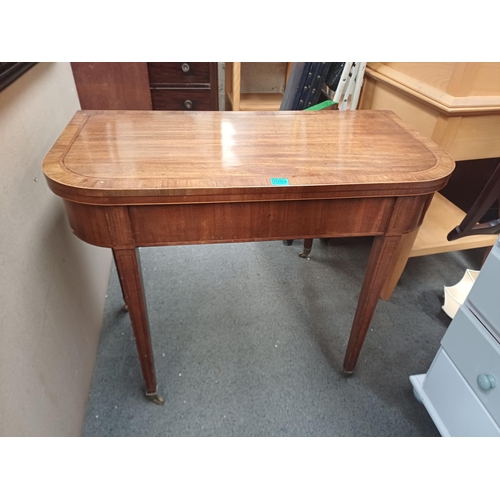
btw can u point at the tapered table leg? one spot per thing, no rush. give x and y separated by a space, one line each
129 270
125 306
398 264
378 265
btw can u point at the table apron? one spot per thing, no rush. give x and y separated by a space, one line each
163 225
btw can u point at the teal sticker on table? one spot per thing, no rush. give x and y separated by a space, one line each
279 181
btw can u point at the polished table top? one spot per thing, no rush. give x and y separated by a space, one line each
135 157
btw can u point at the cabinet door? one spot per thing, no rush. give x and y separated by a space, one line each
112 85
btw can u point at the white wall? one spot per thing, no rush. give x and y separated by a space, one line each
52 285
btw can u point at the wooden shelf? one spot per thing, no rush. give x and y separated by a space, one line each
261 101
441 217
250 101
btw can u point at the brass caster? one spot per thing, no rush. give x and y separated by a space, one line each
125 308
155 398
305 253
346 373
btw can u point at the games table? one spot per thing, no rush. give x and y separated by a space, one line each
132 179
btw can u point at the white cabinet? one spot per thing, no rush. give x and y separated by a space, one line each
461 390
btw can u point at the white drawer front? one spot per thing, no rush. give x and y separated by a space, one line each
452 403
474 352
485 294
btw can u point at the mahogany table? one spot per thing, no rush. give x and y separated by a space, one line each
133 179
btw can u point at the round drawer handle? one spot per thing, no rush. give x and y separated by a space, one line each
185 67
486 381
188 104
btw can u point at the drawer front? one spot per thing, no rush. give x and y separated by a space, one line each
181 99
178 72
453 402
485 294
200 223
475 352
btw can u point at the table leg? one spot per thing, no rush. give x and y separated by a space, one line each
399 262
378 265
129 270
125 306
307 248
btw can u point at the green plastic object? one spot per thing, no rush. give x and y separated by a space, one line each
320 106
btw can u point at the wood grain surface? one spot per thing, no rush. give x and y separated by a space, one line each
112 85
133 157
185 99
161 73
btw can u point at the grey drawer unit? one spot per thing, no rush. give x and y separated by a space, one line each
461 390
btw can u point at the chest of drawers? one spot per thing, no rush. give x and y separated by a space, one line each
174 86
461 390
184 86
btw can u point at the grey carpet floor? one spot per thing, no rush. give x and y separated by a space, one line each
249 340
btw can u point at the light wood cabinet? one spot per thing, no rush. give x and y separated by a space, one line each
457 105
